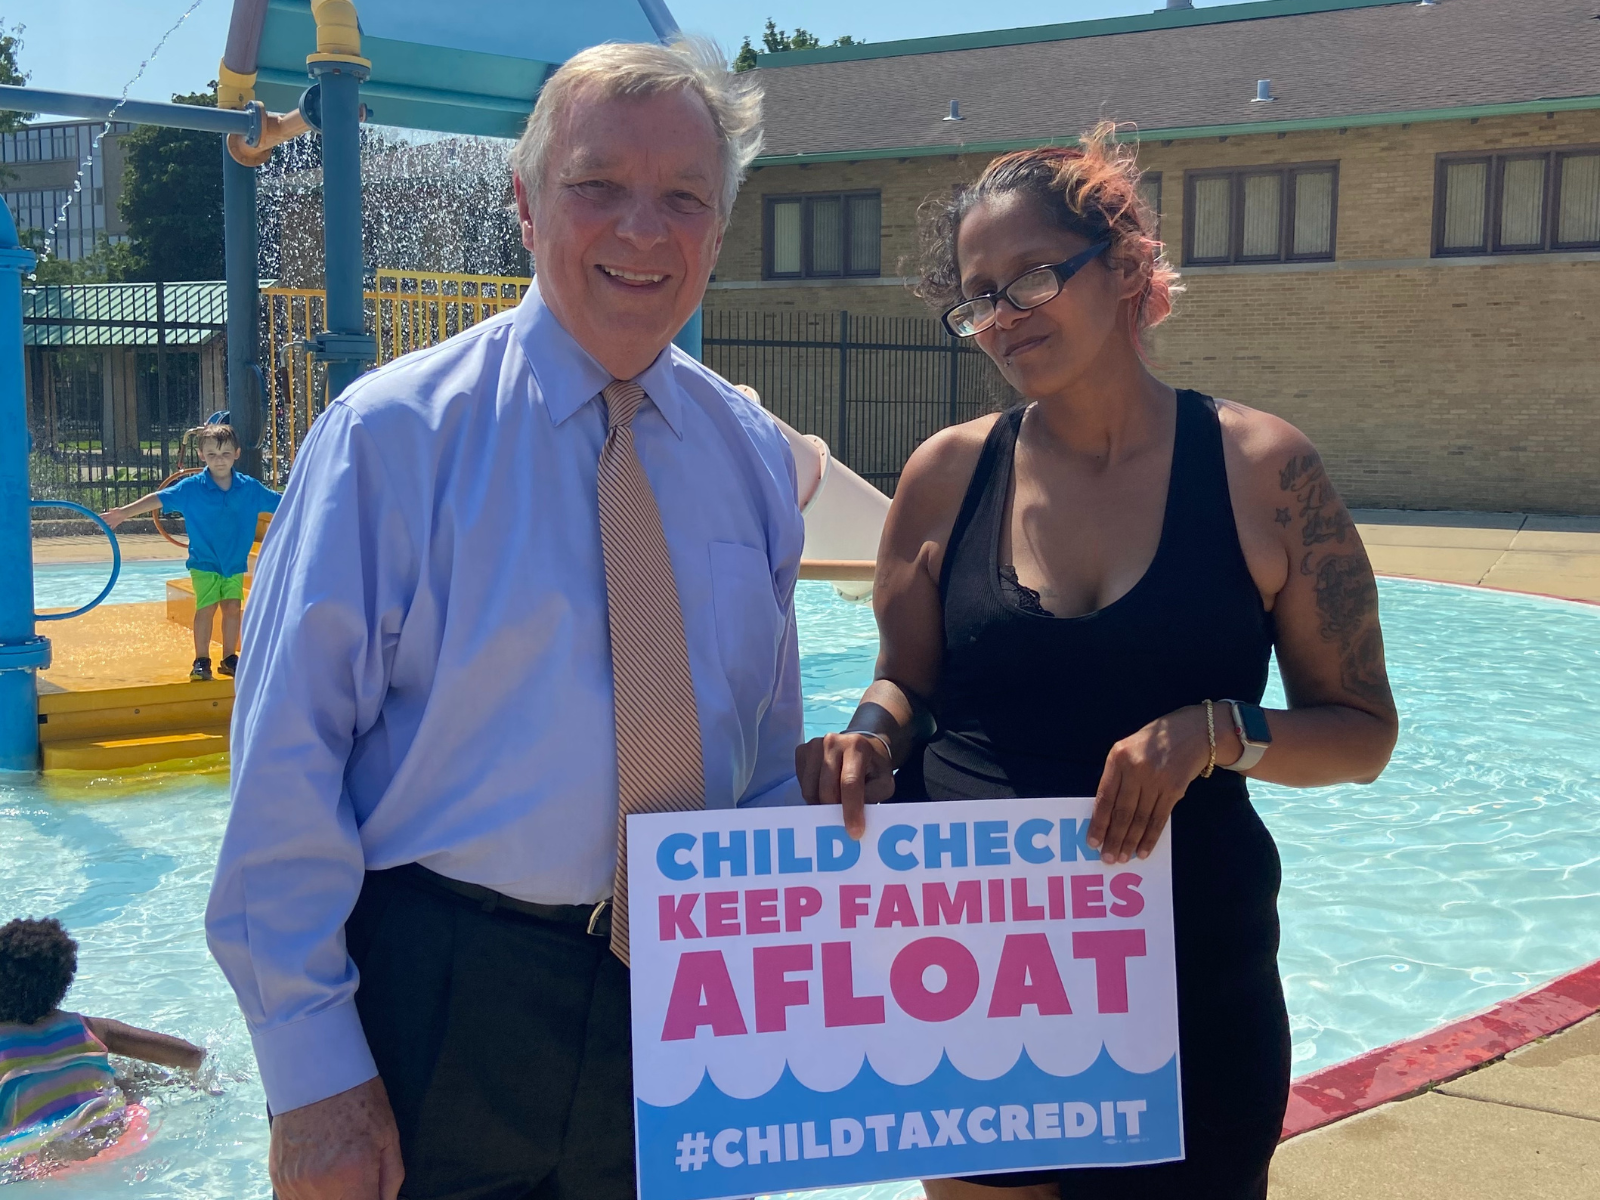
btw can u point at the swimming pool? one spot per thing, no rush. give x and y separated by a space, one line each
1468 873
67 585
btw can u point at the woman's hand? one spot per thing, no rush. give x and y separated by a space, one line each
1146 775
849 769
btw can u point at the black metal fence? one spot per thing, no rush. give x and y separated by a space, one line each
874 388
115 373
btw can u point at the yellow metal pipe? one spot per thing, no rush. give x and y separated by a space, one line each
338 32
276 128
234 90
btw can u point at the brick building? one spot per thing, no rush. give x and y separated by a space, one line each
64 178
1399 250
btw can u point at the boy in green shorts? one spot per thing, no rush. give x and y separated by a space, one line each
219 507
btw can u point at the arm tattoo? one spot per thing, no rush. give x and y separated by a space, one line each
1323 513
1347 602
1347 594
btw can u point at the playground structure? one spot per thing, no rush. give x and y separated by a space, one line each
111 703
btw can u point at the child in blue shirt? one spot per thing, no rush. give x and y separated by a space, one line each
220 507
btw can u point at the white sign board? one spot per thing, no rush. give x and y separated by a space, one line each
965 990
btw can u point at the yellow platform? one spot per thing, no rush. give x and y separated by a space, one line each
117 694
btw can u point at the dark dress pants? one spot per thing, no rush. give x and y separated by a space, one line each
504 1043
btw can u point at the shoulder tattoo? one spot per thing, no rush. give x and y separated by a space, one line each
1323 515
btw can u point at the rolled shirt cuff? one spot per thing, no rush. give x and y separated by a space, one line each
780 795
313 1058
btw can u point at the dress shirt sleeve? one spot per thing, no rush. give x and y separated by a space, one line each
782 728
331 590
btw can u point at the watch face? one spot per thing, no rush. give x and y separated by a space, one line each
1254 720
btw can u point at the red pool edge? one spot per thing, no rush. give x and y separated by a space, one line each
1406 1068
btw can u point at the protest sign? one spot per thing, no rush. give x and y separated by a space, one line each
965 990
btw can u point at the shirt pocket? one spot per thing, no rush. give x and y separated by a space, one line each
749 627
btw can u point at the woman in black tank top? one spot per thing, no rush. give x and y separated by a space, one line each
1065 590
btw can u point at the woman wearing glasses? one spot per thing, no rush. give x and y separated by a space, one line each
1080 597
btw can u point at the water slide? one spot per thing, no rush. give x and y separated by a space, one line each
844 513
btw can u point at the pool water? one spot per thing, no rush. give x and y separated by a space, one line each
70 585
1468 873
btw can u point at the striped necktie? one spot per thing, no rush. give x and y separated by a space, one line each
659 768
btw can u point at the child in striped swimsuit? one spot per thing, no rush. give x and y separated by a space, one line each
55 1077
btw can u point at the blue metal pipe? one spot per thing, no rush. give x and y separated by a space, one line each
246 402
21 652
245 122
346 346
116 558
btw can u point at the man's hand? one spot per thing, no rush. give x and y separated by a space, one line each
114 517
343 1148
849 769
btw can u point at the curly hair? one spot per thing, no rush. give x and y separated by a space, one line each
37 963
1091 189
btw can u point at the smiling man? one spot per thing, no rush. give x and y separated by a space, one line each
521 584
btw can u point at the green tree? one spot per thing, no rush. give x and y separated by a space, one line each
12 73
109 263
777 41
172 201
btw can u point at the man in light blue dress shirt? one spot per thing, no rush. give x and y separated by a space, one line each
425 774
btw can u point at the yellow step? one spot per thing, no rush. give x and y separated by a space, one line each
100 713
111 754
180 603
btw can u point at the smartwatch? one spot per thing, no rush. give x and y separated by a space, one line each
1250 723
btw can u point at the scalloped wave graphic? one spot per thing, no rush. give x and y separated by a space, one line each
678 1144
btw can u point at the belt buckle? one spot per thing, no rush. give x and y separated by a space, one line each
600 911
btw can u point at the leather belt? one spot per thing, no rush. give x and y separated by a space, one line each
594 918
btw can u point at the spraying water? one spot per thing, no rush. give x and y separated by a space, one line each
429 203
94 145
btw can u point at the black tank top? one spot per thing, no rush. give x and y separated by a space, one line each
1030 705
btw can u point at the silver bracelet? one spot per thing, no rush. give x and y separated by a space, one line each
883 741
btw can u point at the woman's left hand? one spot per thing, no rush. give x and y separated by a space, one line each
1145 776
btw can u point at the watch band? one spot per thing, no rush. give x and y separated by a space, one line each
1252 751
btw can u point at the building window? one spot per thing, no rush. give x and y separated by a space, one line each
1261 214
819 236
1150 194
1518 203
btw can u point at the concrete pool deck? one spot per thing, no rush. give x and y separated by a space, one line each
1524 1127
1551 556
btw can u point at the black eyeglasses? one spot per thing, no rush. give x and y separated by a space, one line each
1028 290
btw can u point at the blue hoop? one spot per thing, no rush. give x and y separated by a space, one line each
116 557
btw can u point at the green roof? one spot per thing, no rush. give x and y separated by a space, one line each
467 66
1165 18
124 314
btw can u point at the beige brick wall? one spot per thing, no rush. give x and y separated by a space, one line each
1426 383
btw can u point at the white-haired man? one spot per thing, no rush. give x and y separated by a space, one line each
521 584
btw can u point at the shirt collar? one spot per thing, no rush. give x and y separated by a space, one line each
569 377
